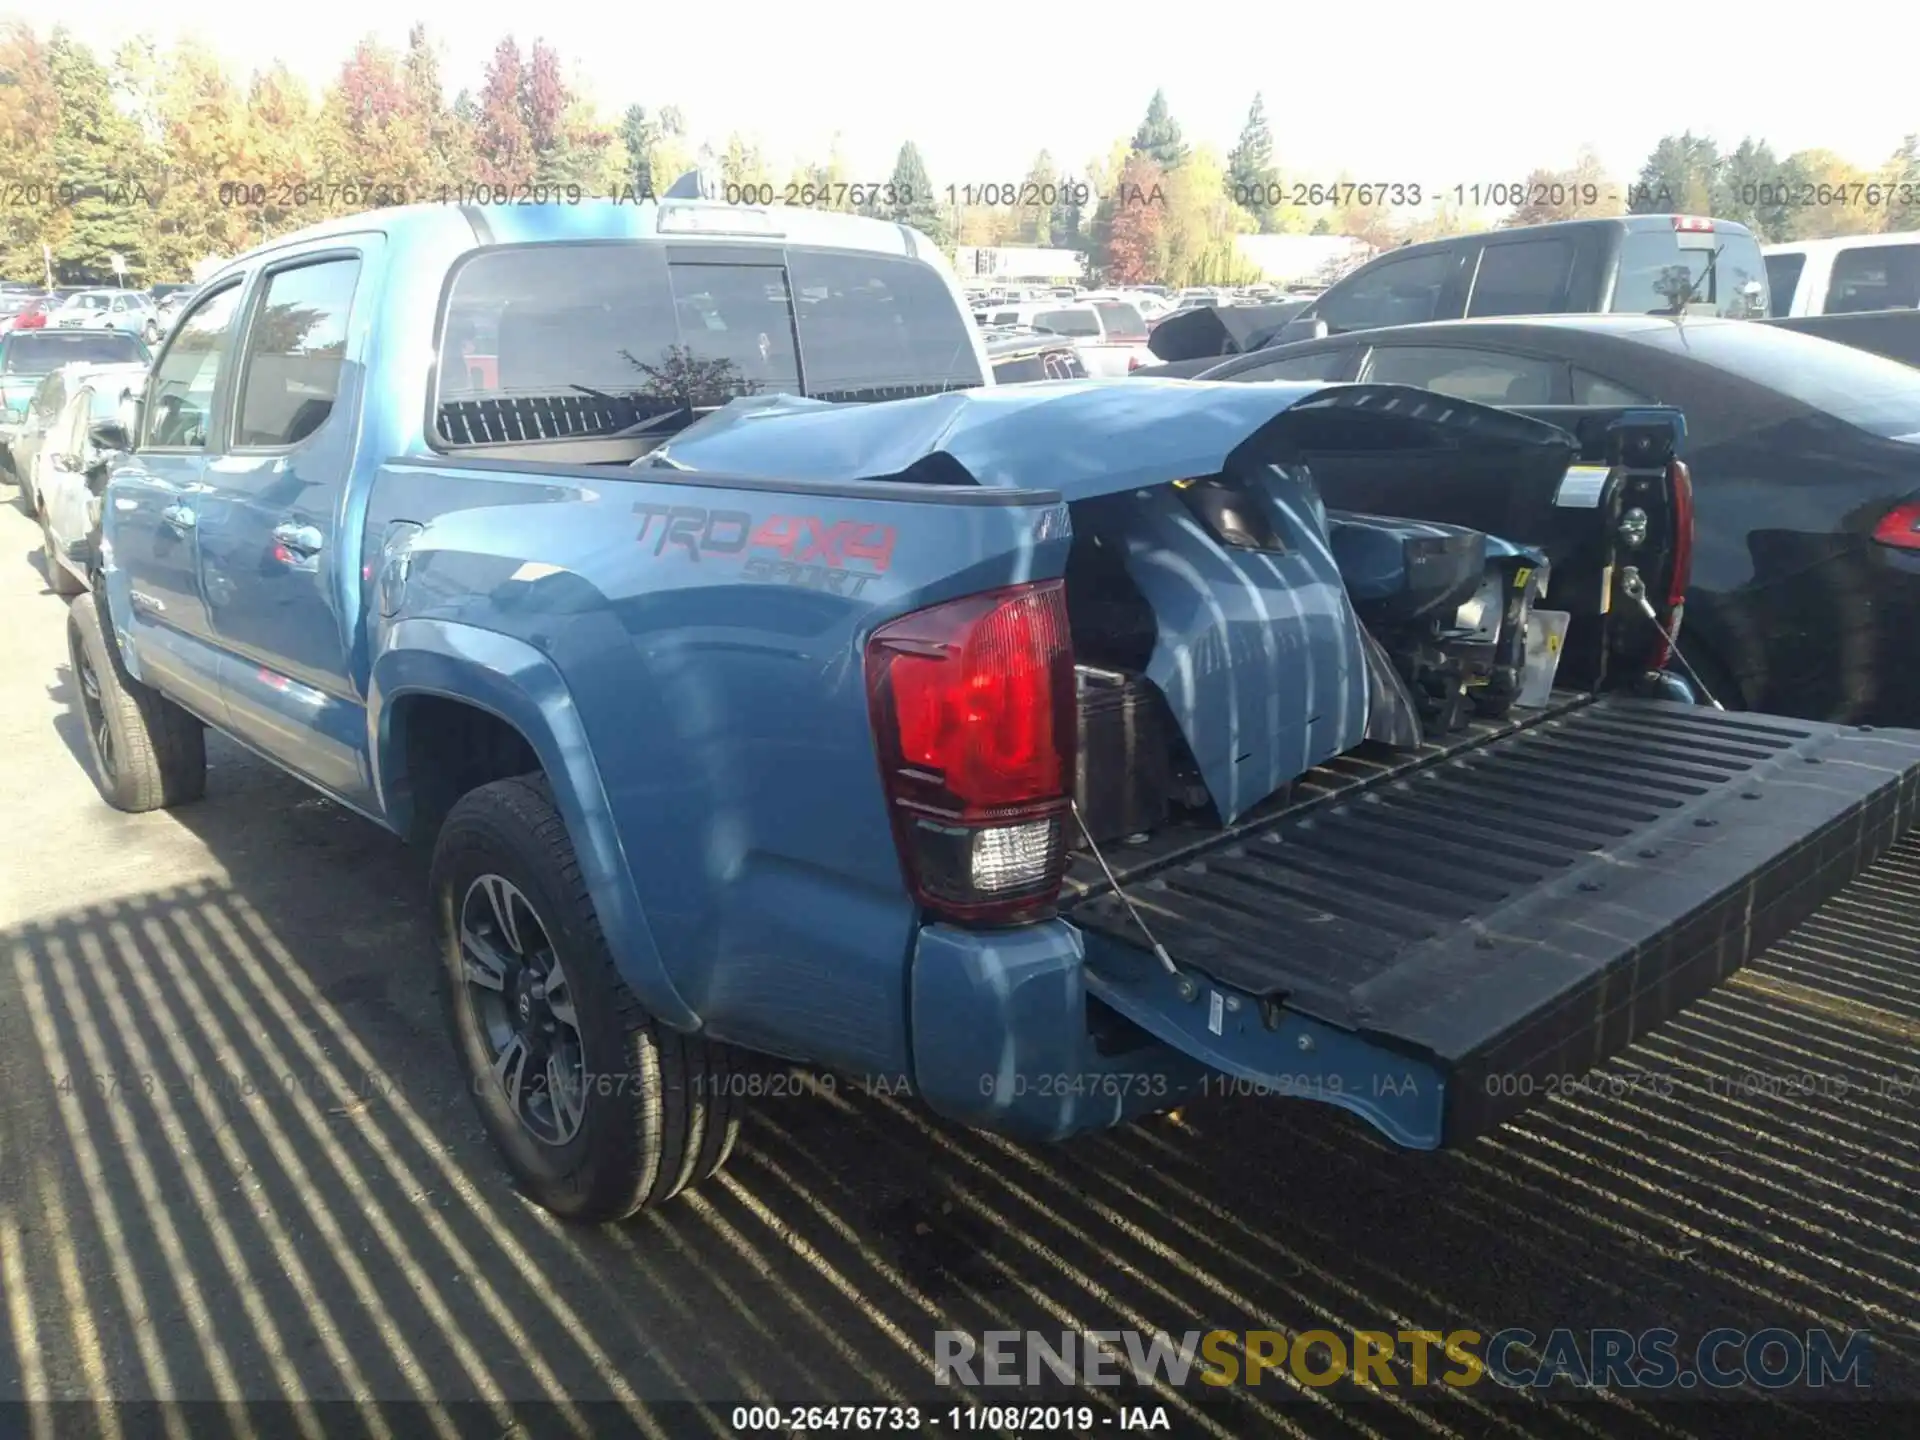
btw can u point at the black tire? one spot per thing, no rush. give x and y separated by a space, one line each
148 753
657 1110
62 581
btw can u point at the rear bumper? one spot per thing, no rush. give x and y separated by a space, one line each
1438 951
1005 1037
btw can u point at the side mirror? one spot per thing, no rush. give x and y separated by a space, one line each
1314 329
110 435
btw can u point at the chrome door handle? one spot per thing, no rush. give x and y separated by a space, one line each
178 517
302 539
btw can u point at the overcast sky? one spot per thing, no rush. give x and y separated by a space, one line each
1411 93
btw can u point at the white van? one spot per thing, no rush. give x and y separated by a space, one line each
1844 276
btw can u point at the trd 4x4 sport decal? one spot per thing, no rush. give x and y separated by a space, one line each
802 550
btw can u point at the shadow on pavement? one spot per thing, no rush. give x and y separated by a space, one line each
237 1160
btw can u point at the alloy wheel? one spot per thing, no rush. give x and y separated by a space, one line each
524 1008
93 706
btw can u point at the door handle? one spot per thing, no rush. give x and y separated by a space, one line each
178 517
300 539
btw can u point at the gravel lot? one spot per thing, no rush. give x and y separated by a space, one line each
235 1162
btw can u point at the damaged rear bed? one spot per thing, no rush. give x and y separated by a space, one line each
1504 910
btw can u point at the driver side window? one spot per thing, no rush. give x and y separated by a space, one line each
180 395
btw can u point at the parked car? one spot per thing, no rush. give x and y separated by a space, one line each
1110 335
1892 333
795 730
69 472
1632 264
47 415
1848 275
28 357
128 311
1805 455
1019 358
23 311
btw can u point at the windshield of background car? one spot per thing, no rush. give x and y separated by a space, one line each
556 342
1878 395
94 301
40 352
1657 268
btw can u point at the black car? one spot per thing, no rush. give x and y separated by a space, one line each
1628 264
1805 458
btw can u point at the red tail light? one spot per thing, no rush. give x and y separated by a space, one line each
1901 527
1134 362
1692 222
1680 483
973 708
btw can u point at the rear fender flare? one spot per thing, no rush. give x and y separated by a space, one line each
512 680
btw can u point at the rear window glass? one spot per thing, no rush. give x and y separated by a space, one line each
1389 292
1657 268
1783 277
1068 322
876 328
1874 277
1528 277
1123 322
1879 395
558 342
36 352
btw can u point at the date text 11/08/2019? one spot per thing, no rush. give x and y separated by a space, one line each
984 1419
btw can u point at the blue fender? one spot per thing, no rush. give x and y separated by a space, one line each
516 682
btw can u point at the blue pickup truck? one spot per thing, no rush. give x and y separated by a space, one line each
771 686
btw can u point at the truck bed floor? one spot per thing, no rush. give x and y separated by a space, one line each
1529 897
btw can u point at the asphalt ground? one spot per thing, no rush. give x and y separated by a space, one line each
237 1163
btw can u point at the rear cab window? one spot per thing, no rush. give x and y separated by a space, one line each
1394 291
1783 278
1077 323
557 342
1874 277
1524 277
1657 268
1124 324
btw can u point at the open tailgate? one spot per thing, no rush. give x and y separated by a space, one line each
1507 911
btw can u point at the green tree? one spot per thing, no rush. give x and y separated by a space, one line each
1251 179
637 133
1752 190
448 138
1901 175
1158 137
206 206
96 155
1681 176
1841 191
1033 223
913 201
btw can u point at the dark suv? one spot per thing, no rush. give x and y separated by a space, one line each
1634 264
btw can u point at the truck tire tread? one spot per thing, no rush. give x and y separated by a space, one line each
160 751
677 1126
